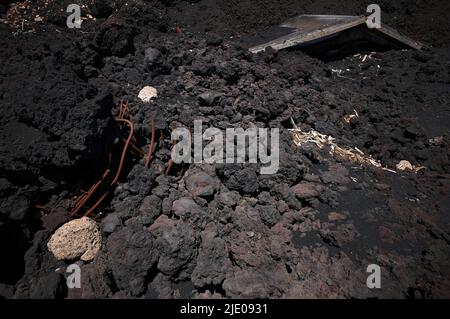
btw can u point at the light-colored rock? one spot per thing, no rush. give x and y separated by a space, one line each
147 93
77 239
404 165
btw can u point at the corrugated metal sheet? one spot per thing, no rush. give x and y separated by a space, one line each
305 29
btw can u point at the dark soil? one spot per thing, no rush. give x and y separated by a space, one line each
224 231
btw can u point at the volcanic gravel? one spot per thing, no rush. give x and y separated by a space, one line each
223 230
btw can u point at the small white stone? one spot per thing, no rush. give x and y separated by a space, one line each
404 165
147 93
79 238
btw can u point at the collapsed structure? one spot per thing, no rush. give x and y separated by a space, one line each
333 34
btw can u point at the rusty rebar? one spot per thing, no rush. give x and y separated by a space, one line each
169 166
123 116
88 195
99 201
125 148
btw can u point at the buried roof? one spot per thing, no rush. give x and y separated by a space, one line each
318 32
